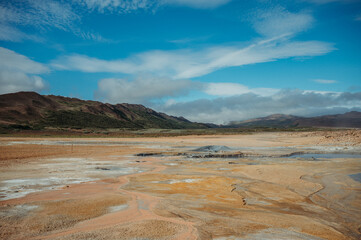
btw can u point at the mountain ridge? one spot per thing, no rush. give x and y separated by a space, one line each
38 111
30 110
349 119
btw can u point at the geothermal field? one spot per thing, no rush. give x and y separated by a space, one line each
304 185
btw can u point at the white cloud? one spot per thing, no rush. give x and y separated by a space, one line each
226 89
12 34
189 40
90 36
151 90
120 6
48 13
17 81
126 6
327 1
232 89
235 102
325 81
249 105
66 15
40 15
188 63
141 90
12 61
198 3
278 21
18 73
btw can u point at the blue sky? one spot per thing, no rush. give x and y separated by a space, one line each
207 60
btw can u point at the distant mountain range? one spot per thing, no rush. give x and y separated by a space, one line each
30 110
350 119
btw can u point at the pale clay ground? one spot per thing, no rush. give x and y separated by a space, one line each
98 189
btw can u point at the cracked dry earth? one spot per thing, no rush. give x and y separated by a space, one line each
281 186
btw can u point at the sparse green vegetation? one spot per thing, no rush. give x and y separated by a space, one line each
80 120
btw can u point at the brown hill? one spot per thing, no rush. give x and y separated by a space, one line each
32 110
275 120
350 120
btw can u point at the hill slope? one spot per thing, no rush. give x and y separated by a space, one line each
350 119
275 120
32 110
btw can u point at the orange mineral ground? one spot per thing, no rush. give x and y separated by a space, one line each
256 186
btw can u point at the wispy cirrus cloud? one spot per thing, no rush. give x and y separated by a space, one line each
329 1
277 20
197 4
39 14
44 15
126 6
189 63
19 73
119 6
189 40
13 34
277 25
325 81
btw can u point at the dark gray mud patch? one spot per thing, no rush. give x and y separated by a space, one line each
232 163
106 143
217 155
103 168
253 163
212 148
245 163
149 154
317 156
356 177
293 154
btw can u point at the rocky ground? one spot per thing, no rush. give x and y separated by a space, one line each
259 186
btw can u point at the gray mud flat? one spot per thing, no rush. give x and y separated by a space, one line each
325 155
356 177
213 148
259 186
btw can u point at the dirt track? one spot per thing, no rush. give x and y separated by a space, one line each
69 188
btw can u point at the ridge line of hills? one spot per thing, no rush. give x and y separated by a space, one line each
349 120
30 110
34 111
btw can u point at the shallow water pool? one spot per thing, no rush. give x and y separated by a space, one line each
325 155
